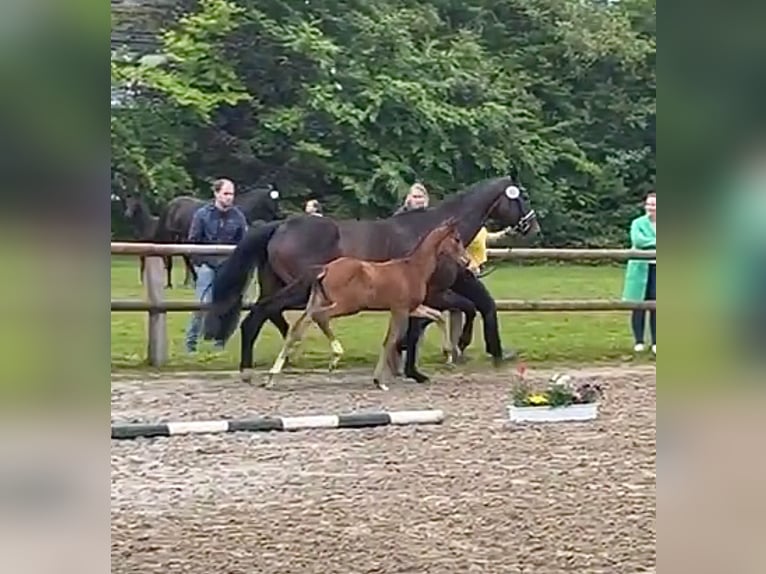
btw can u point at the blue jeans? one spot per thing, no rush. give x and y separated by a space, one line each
203 291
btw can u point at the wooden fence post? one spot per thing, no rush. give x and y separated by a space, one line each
154 279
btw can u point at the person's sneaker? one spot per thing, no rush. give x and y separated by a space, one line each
191 350
654 348
639 347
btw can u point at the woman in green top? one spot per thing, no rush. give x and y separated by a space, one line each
641 274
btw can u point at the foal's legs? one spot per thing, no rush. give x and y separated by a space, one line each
294 337
457 306
337 349
382 371
413 335
290 297
425 312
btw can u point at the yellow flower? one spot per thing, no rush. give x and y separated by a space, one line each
537 399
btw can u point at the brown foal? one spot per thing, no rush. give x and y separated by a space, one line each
347 286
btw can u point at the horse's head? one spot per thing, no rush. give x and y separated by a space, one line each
261 203
450 243
513 209
132 205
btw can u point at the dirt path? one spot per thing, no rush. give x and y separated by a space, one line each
471 495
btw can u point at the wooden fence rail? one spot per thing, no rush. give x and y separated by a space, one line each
157 307
518 305
160 249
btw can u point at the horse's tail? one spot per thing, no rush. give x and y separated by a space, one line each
233 277
319 300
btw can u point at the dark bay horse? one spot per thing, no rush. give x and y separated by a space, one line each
346 286
143 223
260 204
287 251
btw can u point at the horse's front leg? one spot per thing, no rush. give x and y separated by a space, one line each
169 272
414 333
249 330
414 328
190 276
457 306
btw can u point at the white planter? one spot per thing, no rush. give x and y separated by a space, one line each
544 414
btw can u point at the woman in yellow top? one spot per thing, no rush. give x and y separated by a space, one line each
477 249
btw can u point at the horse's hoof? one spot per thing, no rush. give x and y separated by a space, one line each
418 377
504 359
380 384
246 376
462 359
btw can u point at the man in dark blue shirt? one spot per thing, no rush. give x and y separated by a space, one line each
218 222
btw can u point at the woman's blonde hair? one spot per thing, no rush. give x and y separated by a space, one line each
419 187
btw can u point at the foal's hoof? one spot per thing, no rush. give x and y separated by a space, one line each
380 384
246 376
269 381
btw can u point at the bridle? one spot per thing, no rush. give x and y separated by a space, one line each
524 224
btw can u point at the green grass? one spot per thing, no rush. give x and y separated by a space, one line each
547 338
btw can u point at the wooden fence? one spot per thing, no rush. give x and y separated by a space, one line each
157 307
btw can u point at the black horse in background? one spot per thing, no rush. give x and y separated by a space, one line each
141 220
288 254
260 204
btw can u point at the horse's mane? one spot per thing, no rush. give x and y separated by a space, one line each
462 195
453 199
423 238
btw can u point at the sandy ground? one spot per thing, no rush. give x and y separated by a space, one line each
474 494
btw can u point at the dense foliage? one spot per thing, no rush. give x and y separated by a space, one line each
351 101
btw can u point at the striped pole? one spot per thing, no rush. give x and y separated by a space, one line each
261 424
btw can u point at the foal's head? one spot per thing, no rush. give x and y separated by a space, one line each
449 243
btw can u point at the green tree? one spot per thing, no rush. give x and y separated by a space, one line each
351 102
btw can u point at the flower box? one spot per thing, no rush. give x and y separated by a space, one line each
545 414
